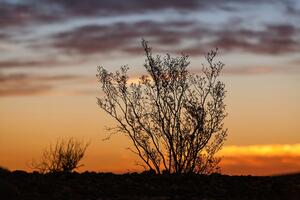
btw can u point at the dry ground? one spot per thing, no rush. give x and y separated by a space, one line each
101 186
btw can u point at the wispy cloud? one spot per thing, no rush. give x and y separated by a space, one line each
26 12
44 11
272 39
38 34
30 63
276 38
260 70
119 37
16 13
28 84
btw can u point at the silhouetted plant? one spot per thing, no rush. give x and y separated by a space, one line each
64 156
173 118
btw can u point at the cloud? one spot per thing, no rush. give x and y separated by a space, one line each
31 63
27 77
291 8
26 13
174 35
261 159
116 7
171 35
273 39
13 14
260 70
44 11
37 63
260 165
119 36
262 150
20 84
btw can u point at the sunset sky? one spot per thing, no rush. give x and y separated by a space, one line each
50 50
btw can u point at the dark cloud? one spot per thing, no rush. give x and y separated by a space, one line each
26 13
45 11
90 39
292 10
12 14
116 7
120 36
273 39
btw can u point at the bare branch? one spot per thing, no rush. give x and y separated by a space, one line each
171 115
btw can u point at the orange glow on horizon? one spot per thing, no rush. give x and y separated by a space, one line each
260 159
236 160
262 150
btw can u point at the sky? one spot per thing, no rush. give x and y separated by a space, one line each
50 50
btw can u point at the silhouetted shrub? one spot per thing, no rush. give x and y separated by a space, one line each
65 156
174 118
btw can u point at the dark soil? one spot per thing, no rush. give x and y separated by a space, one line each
101 186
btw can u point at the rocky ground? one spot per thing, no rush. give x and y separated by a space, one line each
101 186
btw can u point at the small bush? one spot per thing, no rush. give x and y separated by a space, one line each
65 156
